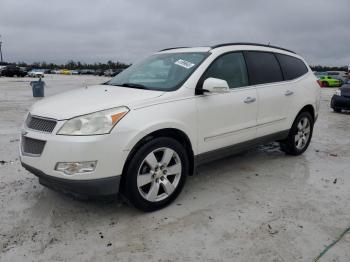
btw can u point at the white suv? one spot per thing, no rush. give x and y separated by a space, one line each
145 130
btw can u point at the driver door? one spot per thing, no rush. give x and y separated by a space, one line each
229 118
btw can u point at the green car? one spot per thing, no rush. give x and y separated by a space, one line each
329 81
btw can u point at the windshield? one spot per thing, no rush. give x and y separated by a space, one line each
165 72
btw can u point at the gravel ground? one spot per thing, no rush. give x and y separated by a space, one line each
260 205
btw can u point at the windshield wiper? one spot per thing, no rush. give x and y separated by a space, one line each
133 85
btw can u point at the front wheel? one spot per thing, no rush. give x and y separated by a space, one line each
156 174
299 136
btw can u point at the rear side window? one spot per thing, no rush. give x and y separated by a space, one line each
263 68
230 67
292 67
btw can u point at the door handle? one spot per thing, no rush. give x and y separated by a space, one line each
288 93
249 100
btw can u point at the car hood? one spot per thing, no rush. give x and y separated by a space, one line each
91 99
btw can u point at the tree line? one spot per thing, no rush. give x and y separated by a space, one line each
320 68
72 65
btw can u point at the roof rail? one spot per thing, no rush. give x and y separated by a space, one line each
253 44
166 49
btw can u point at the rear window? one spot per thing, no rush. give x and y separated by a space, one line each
263 68
292 67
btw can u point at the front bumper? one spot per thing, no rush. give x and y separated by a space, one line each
93 187
108 150
334 84
340 102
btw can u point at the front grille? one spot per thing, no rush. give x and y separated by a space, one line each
32 146
40 124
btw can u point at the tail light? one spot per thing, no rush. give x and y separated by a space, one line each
319 83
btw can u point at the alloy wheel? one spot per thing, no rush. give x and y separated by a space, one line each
302 136
159 174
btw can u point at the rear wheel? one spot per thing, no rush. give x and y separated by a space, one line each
156 174
338 110
299 136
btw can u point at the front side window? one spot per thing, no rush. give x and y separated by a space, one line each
263 68
164 72
292 67
230 67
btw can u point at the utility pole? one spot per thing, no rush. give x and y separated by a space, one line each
1 60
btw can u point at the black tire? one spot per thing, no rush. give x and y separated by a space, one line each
338 110
289 145
129 187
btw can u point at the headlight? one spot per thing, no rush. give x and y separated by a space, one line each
97 123
338 92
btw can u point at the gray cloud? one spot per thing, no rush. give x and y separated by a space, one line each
125 30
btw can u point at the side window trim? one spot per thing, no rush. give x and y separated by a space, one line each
248 71
199 85
279 63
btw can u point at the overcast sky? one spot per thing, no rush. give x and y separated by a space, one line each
125 30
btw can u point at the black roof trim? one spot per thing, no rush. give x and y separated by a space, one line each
252 44
170 48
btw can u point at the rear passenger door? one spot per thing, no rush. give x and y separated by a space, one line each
274 96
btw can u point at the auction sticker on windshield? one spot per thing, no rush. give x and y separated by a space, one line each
184 63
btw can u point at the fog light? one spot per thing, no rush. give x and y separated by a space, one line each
71 168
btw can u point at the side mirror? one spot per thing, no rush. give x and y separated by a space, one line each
215 85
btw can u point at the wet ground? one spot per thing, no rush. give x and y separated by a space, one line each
260 205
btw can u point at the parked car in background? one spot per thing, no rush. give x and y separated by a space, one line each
108 72
117 71
13 70
340 75
142 133
341 99
24 69
36 73
87 71
112 72
75 72
55 71
99 72
319 74
328 81
46 71
65 72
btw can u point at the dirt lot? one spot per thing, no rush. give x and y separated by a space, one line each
258 206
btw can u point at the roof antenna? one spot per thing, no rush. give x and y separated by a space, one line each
268 44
